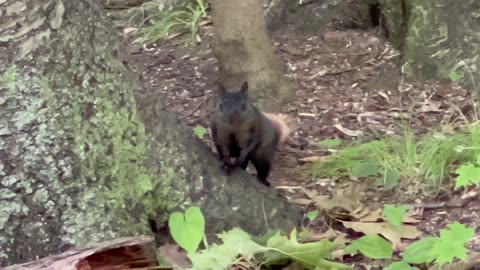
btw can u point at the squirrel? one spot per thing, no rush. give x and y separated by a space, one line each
240 130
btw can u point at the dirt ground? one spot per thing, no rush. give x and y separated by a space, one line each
348 85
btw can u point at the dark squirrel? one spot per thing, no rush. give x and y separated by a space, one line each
241 131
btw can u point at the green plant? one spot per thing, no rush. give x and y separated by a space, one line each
468 173
431 250
400 266
395 215
187 230
312 215
330 143
455 76
200 132
175 22
443 249
371 246
238 247
420 162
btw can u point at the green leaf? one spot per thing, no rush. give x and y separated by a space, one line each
454 76
216 257
241 242
200 132
310 255
420 251
451 243
330 143
235 242
467 174
395 215
187 230
263 239
350 250
402 265
443 249
363 170
390 180
374 247
312 215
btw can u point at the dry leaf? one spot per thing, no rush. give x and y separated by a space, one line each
429 106
329 234
317 72
370 216
348 132
129 29
385 229
175 255
310 193
342 203
306 114
313 159
301 201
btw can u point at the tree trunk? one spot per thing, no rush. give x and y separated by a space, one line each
433 38
77 162
244 51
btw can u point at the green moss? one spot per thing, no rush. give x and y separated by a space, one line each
396 20
8 78
108 170
437 43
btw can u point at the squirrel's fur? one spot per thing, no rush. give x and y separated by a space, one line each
240 130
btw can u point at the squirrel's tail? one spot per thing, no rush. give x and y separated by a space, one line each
281 123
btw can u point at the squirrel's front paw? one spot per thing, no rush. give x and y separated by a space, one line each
227 168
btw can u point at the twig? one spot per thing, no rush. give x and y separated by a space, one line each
455 203
196 107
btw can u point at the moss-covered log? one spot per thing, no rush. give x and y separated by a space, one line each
87 152
436 37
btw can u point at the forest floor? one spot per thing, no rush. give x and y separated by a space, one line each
348 85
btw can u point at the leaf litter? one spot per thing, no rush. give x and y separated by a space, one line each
344 93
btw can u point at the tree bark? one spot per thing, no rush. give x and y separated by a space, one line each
88 153
433 38
244 51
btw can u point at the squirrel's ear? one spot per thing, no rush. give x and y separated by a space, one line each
221 89
244 88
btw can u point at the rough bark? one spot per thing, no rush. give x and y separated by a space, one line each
436 37
314 17
77 162
244 51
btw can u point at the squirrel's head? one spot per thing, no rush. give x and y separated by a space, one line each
235 105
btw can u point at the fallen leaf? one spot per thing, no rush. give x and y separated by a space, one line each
129 29
175 255
429 106
348 132
317 72
310 193
391 233
345 200
301 201
334 35
313 158
329 234
370 216
306 114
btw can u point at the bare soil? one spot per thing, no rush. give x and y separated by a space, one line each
348 85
